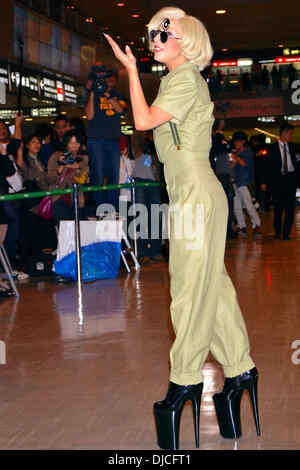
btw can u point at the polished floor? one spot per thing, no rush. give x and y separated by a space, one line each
83 373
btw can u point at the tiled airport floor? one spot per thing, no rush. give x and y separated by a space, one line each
86 376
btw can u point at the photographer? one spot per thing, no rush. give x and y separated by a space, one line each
103 109
67 168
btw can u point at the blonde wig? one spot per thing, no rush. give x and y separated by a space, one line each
195 43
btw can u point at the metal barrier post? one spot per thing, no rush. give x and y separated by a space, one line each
134 215
77 233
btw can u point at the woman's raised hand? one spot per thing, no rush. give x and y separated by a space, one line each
126 58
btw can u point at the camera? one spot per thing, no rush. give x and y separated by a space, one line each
98 73
69 159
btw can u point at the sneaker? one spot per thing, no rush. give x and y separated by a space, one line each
257 230
242 232
20 275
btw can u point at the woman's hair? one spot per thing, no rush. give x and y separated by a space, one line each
7 128
139 139
26 141
72 133
195 45
44 130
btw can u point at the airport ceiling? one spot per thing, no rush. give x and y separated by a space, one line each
246 25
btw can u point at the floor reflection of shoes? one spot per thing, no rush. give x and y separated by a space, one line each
158 258
257 230
145 261
59 279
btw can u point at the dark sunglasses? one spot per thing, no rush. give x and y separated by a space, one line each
164 35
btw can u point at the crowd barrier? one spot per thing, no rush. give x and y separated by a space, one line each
75 191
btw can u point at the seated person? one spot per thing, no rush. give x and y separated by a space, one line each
36 233
67 168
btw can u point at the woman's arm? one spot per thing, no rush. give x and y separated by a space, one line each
6 165
18 127
145 117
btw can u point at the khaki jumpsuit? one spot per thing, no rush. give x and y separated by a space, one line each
204 309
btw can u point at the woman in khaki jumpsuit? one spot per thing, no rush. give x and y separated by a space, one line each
204 310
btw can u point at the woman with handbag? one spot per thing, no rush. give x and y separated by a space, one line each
204 310
67 168
36 234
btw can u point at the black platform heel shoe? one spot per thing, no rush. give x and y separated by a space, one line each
168 413
227 403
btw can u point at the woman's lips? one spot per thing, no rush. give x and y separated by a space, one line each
158 49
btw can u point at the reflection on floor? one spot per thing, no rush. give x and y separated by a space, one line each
85 376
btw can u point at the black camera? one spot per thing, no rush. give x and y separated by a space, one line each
69 159
98 73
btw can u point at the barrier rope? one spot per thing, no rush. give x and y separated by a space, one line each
83 189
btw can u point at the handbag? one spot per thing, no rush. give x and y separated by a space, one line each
44 209
15 182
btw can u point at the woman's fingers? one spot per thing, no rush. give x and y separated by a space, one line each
114 45
126 57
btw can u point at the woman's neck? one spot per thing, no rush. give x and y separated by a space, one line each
178 61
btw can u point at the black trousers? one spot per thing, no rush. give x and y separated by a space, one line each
35 235
225 179
284 200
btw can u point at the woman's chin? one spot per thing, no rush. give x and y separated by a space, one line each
158 56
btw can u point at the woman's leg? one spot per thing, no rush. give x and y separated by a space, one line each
238 209
204 310
247 200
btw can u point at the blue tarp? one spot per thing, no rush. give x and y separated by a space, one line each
98 261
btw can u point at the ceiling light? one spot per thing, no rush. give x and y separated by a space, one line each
120 4
135 15
224 50
280 45
220 12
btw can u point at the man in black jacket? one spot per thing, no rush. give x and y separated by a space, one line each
284 178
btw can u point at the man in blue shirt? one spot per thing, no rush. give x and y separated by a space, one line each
244 175
104 111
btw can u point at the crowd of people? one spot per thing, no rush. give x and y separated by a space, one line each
260 78
56 157
253 175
